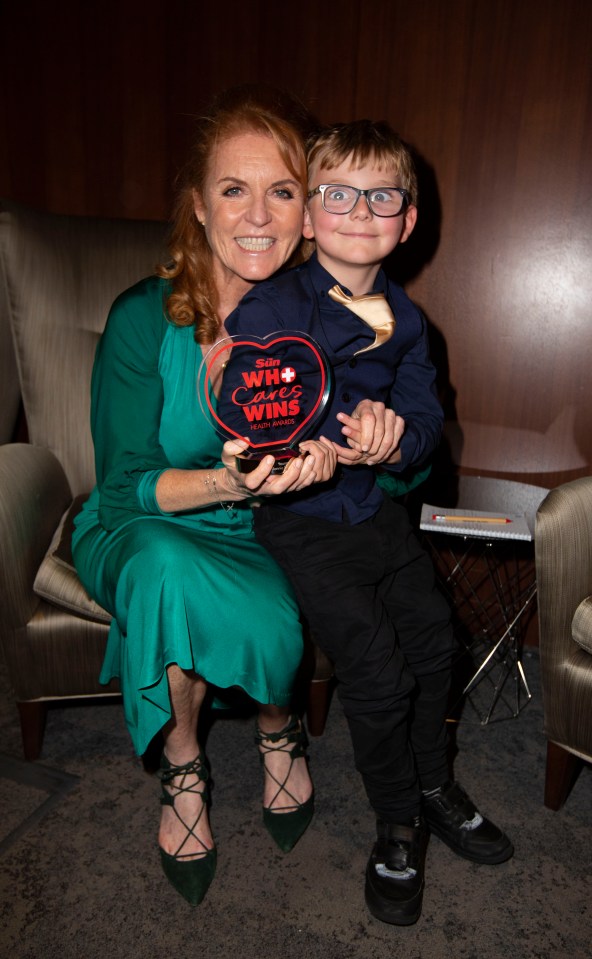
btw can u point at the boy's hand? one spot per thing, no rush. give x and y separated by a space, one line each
324 455
373 434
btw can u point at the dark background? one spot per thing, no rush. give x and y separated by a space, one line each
96 108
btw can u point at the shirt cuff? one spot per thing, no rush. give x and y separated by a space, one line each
146 493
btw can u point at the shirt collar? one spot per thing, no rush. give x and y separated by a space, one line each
322 280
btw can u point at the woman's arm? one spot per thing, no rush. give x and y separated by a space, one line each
126 403
178 490
133 472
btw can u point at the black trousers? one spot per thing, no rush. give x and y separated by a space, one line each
368 593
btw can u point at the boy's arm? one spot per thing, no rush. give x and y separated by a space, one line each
255 317
414 397
258 314
406 431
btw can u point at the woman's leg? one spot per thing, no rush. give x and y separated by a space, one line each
187 693
278 765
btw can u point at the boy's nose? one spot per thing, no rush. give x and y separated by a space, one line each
361 208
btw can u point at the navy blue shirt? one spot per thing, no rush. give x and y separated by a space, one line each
398 373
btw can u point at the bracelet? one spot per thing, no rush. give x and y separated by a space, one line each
229 507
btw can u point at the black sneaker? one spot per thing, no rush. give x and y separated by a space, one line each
452 817
394 874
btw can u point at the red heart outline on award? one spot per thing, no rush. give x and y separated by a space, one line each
264 344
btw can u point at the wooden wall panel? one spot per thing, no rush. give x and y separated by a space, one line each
96 109
500 107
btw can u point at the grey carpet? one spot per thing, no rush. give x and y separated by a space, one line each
28 791
82 880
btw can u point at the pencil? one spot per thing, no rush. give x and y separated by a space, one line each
470 519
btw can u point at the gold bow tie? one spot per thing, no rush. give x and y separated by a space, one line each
373 309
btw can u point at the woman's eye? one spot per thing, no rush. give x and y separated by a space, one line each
232 191
284 193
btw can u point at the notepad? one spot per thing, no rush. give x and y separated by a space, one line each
476 524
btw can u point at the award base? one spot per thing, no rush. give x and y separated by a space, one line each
248 462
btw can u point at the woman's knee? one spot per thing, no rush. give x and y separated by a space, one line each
158 555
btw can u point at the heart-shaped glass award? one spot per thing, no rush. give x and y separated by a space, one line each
272 392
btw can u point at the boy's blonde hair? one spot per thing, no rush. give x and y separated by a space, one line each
363 140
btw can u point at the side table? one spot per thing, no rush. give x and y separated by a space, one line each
490 583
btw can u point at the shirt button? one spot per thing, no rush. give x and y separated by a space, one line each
345 397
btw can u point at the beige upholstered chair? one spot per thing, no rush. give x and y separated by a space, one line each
563 548
58 278
10 393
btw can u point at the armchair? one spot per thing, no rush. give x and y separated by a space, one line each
9 386
563 552
58 278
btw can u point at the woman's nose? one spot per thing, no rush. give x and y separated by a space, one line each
258 211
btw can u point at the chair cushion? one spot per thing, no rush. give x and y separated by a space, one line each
57 580
581 627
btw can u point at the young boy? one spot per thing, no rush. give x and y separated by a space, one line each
363 581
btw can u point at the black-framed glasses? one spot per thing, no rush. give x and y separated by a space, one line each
382 200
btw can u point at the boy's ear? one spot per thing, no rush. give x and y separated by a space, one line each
410 221
307 229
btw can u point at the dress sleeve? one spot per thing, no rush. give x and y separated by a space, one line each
126 405
414 397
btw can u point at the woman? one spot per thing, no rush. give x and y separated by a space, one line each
165 540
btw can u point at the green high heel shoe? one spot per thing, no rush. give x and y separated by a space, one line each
285 827
190 873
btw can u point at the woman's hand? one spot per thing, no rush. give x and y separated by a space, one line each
373 434
317 466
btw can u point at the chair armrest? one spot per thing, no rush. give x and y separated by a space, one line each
563 550
34 493
581 627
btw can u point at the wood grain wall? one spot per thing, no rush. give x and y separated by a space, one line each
96 105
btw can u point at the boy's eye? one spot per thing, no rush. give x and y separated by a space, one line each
381 196
339 194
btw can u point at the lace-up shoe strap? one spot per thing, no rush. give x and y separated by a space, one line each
179 780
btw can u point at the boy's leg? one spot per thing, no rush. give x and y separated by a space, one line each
421 617
422 621
336 569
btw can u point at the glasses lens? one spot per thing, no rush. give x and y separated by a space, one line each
386 201
339 199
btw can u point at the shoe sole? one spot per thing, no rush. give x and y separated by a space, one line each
493 860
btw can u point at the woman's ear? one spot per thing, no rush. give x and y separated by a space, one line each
307 230
199 207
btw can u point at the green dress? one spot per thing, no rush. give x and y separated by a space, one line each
191 588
